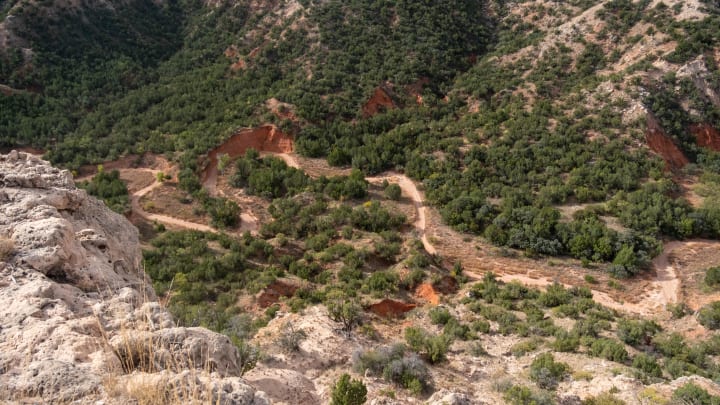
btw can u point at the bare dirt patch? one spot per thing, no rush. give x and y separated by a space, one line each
388 308
274 292
380 100
426 292
691 259
660 143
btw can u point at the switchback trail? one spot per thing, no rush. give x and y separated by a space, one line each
665 286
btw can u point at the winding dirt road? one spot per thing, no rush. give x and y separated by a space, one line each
409 188
164 219
665 287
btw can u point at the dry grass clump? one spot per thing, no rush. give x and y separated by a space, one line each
7 246
148 374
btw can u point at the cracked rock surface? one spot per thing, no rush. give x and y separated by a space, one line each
78 311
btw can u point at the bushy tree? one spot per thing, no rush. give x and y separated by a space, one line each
709 315
348 392
393 192
344 309
546 372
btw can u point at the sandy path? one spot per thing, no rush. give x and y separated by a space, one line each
289 159
167 220
666 286
410 189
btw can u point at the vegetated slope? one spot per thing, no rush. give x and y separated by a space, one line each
508 113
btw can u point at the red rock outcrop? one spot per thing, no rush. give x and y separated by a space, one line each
274 291
706 136
660 143
426 292
388 308
380 100
267 138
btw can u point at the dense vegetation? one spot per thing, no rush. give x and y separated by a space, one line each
504 171
108 187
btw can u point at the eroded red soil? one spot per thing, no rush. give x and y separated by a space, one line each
660 143
706 136
267 138
388 308
378 102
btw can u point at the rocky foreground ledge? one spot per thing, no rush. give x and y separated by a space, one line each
79 320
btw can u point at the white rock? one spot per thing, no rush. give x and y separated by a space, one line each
73 293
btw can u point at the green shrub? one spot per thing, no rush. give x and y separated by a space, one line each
546 372
382 282
439 315
694 395
671 345
524 347
458 330
603 399
433 347
395 365
555 295
709 315
609 349
647 364
480 326
393 192
521 395
348 392
108 187
637 333
712 276
566 342
678 310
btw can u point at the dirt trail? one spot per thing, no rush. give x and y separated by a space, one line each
408 187
167 220
666 286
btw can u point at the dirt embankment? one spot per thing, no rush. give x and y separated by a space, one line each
380 100
274 292
388 308
266 138
706 136
660 143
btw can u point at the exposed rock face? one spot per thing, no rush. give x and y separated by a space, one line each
379 101
74 301
660 143
388 308
706 136
699 74
267 138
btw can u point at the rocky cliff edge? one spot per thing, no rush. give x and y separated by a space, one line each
79 320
